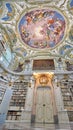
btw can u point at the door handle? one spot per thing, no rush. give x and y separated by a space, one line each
43 104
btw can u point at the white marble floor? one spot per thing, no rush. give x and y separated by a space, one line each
27 126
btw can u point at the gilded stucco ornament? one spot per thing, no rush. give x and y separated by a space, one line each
43 79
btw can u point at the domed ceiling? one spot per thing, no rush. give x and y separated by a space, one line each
35 29
42 28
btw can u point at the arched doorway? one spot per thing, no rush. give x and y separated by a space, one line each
44 106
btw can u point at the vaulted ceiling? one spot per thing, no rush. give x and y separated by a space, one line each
32 29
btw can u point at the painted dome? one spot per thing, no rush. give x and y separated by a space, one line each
42 28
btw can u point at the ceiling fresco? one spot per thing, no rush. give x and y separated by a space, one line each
70 6
42 28
64 49
31 29
9 14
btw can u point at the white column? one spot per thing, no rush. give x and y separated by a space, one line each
5 104
58 98
26 113
62 113
29 98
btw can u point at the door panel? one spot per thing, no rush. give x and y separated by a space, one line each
44 109
39 113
